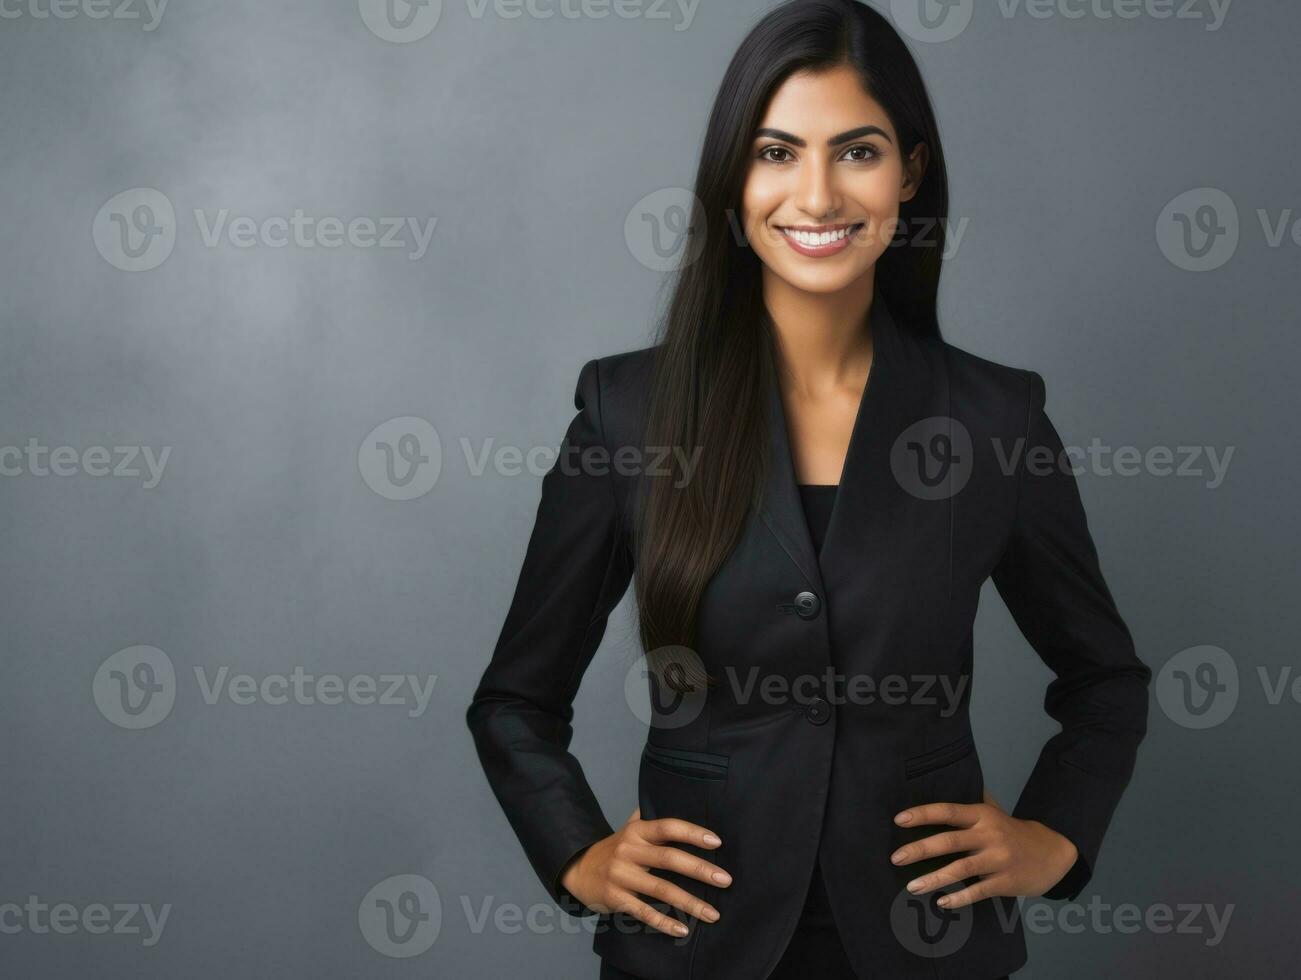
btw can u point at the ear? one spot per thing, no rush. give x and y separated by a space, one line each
914 170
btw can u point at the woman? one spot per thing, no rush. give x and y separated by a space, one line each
808 561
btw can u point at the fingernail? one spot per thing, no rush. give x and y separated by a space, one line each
897 856
903 817
712 839
915 884
942 900
680 929
722 877
711 914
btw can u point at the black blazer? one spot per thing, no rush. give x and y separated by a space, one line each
827 766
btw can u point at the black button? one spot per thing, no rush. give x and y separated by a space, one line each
807 604
817 711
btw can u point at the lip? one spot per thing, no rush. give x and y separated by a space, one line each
821 251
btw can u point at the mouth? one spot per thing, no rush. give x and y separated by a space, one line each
821 240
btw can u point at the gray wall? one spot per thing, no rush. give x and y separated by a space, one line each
273 541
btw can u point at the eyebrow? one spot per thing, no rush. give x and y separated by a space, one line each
836 140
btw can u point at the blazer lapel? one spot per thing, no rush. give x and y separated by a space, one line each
903 386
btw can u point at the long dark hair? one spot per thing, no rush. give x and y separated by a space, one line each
715 355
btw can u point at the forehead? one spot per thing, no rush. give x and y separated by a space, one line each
823 103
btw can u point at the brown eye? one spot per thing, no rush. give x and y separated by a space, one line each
866 152
767 152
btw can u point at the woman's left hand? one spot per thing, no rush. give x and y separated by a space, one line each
1010 856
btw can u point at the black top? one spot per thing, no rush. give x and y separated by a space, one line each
816 949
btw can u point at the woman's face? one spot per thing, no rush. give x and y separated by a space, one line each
825 144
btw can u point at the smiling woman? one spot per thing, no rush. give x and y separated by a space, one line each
849 500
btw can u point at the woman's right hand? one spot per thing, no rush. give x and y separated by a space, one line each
612 873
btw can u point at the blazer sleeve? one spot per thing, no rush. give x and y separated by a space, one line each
575 570
1050 579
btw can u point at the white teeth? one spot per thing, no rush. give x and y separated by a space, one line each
811 239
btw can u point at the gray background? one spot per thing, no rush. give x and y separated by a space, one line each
531 140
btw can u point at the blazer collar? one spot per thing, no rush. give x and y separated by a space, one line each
903 386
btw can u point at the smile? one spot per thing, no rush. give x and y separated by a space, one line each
822 241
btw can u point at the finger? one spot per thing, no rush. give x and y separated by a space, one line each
955 814
952 873
630 904
672 829
672 859
985 888
653 886
949 842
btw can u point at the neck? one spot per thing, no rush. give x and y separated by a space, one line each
823 339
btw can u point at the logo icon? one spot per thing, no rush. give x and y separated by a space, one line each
932 458
400 459
401 916
927 929
666 229
135 231
932 21
667 691
400 21
135 687
1199 230
1198 687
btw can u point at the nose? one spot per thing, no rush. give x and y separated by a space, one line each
817 193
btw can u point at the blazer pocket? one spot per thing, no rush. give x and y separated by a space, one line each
938 758
681 762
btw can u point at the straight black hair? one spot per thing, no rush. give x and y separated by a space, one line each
715 353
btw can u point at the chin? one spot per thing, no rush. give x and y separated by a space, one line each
820 281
